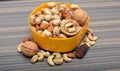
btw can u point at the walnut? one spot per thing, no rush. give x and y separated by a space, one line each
29 48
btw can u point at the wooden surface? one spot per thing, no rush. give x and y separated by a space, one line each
105 21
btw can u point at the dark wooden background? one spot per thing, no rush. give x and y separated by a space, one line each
105 21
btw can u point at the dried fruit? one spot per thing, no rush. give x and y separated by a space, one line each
82 49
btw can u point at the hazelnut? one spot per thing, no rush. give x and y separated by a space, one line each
26 39
44 25
37 27
51 27
66 15
29 48
70 27
80 15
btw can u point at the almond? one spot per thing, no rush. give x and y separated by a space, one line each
71 55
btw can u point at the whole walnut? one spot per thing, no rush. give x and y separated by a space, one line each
80 15
29 48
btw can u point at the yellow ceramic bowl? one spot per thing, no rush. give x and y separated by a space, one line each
56 44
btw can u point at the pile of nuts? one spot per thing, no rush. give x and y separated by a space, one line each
30 49
59 20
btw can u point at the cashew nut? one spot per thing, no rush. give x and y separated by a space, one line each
39 31
48 17
89 30
89 41
88 44
56 30
56 22
74 6
47 11
65 57
91 37
47 33
50 60
58 60
40 56
62 36
43 52
55 17
47 54
38 20
55 10
57 55
19 47
51 4
34 59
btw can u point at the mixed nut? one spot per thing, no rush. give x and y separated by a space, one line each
59 20
30 49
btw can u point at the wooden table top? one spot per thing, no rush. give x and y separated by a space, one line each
105 21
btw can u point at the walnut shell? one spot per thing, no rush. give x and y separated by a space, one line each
75 25
80 15
29 48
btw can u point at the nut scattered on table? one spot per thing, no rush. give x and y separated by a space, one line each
29 48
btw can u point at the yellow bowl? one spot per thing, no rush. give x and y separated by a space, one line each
56 44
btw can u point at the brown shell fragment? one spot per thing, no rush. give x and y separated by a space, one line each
29 48
70 30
